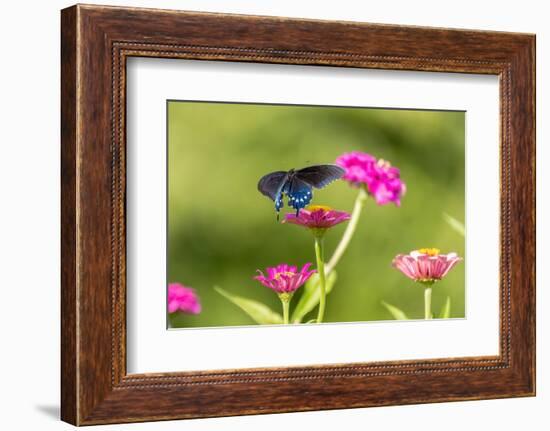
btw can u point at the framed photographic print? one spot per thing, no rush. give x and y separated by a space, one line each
288 207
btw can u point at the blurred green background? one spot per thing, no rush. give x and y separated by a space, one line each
221 229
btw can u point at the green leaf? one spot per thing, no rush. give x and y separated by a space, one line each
311 295
259 312
446 310
396 313
455 224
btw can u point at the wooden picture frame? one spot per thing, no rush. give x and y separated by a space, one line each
95 43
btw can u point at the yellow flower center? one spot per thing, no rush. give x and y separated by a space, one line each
429 251
287 273
313 208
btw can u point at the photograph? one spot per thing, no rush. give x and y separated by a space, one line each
300 214
333 209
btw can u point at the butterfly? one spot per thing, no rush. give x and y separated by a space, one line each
297 185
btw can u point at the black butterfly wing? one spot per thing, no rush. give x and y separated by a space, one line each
270 185
299 193
320 176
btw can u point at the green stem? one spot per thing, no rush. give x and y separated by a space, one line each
350 229
286 307
322 278
427 303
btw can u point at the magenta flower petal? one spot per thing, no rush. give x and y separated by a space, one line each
425 265
173 306
285 278
262 279
305 268
381 180
402 264
182 298
317 217
452 260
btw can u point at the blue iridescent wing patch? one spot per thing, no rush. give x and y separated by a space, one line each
299 194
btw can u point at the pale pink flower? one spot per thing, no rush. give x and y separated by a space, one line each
182 298
317 217
285 278
425 265
381 180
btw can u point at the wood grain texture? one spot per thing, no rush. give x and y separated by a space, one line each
69 368
96 41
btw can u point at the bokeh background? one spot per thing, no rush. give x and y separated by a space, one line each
221 229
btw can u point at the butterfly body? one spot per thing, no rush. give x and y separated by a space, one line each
297 184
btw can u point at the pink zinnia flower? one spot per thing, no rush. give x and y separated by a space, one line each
285 279
317 217
182 298
381 180
425 265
